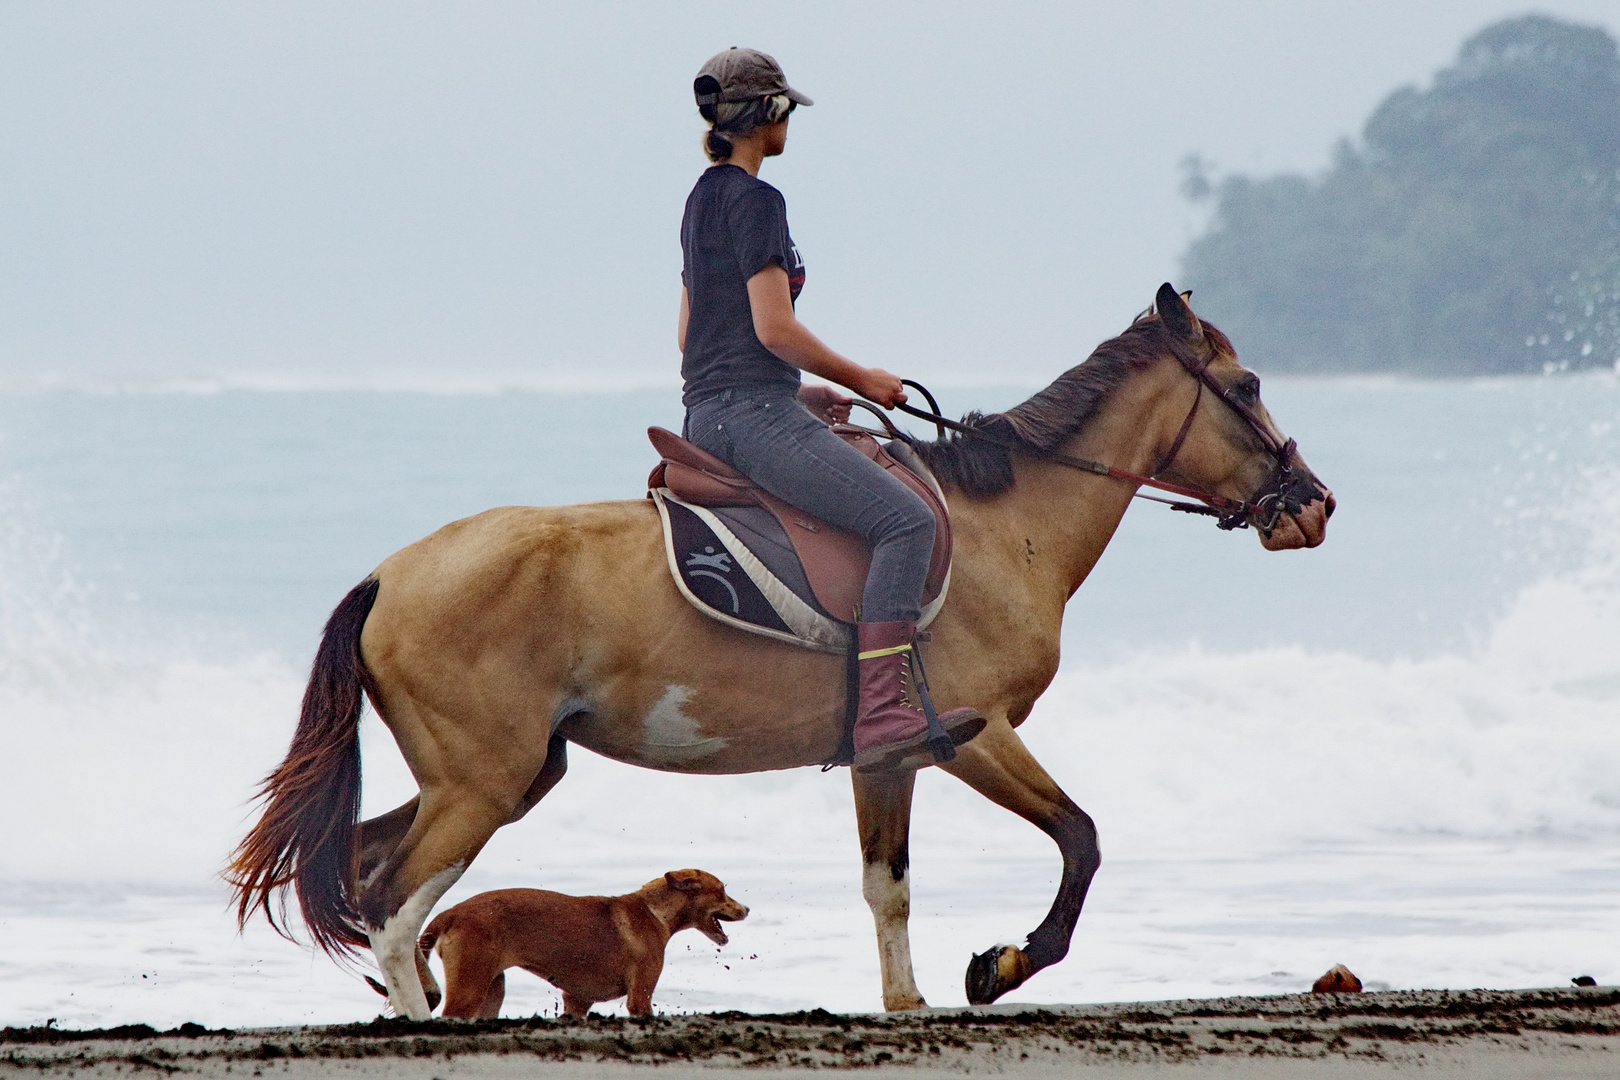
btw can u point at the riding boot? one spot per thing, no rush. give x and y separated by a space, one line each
891 725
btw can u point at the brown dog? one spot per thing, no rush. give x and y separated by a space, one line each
592 948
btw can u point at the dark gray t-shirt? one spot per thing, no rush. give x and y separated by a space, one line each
735 225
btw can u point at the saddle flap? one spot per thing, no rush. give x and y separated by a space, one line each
834 561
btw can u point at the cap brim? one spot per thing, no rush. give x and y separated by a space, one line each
796 97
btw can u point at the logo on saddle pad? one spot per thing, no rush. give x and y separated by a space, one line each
721 562
705 564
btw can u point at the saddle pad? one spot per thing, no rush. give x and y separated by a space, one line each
722 577
737 565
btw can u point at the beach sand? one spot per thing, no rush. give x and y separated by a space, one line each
1476 1034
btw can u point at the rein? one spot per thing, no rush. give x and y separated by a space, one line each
1286 490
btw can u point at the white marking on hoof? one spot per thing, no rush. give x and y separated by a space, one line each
394 946
671 736
890 901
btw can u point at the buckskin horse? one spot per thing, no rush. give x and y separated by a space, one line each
492 644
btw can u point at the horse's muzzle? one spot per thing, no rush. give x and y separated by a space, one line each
1304 528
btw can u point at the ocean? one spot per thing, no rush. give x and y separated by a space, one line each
1400 751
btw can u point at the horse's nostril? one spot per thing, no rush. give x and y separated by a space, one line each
1329 506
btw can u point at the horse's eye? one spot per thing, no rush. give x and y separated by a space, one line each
1248 388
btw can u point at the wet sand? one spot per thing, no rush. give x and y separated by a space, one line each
1499 1034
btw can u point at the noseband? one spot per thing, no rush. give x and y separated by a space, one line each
1286 490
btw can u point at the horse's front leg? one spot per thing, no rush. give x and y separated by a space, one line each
998 766
883 816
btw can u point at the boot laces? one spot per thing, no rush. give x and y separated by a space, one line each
910 697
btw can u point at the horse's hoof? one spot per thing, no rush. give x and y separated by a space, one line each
996 971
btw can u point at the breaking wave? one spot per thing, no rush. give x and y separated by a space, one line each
133 759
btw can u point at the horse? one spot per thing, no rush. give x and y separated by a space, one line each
492 644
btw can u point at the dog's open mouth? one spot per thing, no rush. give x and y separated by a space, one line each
712 929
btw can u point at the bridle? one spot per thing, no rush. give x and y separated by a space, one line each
1286 490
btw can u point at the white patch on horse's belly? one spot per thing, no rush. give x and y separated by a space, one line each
672 737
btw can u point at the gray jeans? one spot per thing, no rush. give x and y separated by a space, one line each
774 441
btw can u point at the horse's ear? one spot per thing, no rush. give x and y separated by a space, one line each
1176 315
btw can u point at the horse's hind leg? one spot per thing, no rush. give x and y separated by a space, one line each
379 836
998 766
457 814
443 832
883 817
451 827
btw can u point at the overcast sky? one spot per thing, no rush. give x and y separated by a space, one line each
489 193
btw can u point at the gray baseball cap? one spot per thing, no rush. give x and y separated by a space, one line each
738 75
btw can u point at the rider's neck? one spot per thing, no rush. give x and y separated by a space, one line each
748 155
748 152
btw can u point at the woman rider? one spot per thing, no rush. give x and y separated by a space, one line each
742 349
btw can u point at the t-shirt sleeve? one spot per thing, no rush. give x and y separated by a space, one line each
759 230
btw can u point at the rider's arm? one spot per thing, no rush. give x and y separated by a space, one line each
780 331
680 320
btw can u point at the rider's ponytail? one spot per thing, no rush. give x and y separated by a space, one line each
716 146
739 118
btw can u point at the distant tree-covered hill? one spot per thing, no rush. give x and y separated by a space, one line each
1474 229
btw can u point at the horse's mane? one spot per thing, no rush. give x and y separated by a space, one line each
1041 424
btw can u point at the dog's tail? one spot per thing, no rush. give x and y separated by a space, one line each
306 836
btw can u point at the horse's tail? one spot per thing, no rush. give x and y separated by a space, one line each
306 837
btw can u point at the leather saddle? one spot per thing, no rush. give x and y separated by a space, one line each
835 561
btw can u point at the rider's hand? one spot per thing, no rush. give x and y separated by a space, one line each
879 386
825 403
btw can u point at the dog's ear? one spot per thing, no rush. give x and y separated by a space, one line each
687 881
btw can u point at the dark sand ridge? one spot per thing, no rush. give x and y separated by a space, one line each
1481 1033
